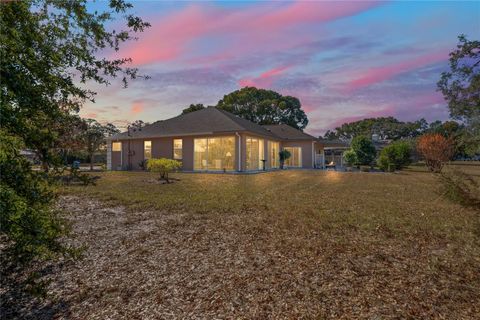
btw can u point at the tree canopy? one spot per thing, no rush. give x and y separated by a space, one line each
49 52
461 84
193 107
384 127
264 107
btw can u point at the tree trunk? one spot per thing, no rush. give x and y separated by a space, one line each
91 162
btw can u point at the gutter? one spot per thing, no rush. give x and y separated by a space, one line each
239 151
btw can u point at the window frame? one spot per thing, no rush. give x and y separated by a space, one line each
117 143
181 149
145 149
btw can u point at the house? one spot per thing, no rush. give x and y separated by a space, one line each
213 140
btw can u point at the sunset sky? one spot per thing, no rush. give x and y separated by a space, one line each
344 60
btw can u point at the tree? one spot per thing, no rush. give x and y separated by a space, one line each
384 127
395 156
364 149
436 150
193 108
25 197
49 50
94 137
460 87
264 107
163 166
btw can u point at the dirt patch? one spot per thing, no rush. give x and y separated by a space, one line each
160 265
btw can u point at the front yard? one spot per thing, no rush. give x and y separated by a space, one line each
290 244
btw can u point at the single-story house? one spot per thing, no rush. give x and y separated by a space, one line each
214 140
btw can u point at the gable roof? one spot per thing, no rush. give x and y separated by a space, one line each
286 132
206 121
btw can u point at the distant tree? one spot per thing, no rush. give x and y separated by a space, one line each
436 150
94 137
265 107
384 127
364 149
461 89
395 156
193 108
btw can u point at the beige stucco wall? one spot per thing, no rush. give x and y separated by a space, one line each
163 148
307 152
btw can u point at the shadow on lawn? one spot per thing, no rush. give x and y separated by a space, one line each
22 294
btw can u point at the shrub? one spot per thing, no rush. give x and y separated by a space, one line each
350 157
436 150
284 155
163 166
364 150
395 156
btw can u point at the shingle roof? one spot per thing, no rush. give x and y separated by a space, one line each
285 132
206 121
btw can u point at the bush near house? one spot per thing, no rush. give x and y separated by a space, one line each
350 157
436 150
364 150
395 156
163 166
284 155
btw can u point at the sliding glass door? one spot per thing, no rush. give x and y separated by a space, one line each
295 159
273 150
255 149
214 154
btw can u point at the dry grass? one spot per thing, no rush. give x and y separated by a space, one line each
291 244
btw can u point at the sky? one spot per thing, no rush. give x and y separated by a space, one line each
344 60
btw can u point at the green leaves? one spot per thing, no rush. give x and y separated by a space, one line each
364 149
264 107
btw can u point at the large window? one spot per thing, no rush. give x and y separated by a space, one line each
116 146
273 150
214 154
295 159
147 150
255 153
177 149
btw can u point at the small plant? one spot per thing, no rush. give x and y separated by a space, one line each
163 166
436 149
284 155
350 157
395 156
461 188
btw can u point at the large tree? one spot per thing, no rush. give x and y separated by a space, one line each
49 50
265 107
461 89
384 127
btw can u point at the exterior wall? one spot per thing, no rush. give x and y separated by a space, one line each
307 151
163 148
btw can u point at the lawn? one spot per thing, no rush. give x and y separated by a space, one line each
289 244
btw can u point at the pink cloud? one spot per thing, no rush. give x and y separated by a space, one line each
91 115
137 107
264 80
377 75
172 37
